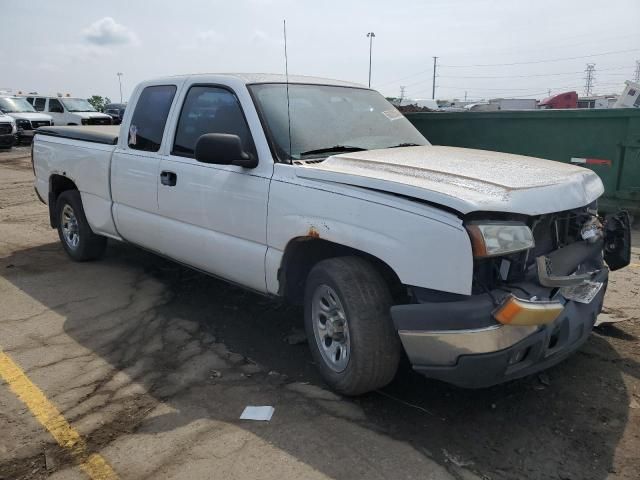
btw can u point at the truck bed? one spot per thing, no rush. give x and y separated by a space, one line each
105 134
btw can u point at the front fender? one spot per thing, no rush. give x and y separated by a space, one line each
425 247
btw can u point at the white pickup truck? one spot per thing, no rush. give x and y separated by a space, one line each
481 266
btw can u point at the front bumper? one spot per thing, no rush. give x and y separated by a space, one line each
7 140
461 343
26 133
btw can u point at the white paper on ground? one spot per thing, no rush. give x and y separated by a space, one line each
257 413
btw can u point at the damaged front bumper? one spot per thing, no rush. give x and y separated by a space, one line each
462 343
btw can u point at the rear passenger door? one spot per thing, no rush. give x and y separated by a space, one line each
135 168
216 213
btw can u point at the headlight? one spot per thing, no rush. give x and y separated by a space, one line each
22 123
491 239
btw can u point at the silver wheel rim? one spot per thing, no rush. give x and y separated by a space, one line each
330 328
70 230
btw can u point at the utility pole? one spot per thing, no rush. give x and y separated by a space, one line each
433 87
401 94
589 78
549 93
371 36
465 95
120 82
636 76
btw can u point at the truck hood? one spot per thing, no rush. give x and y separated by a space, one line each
462 179
31 116
88 115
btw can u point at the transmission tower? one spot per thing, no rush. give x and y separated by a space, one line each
401 94
589 78
636 76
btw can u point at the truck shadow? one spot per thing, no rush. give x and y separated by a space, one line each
207 349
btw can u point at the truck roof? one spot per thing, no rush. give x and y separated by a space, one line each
251 78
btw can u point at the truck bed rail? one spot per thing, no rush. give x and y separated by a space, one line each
105 134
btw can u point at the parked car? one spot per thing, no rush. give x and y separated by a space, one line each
26 118
69 110
7 131
115 111
482 266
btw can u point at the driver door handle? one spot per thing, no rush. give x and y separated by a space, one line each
168 178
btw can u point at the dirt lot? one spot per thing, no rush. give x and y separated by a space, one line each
153 363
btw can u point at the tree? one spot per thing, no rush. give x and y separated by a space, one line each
99 102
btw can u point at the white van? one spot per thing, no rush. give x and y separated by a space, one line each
26 118
69 110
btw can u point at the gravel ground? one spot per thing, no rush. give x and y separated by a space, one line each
153 363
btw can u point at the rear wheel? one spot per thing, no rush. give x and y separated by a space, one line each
349 327
77 238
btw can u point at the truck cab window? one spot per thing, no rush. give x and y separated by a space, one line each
149 117
38 104
55 106
209 110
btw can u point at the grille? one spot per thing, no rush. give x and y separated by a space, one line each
5 128
99 121
40 123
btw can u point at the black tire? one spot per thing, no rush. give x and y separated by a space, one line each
89 246
375 348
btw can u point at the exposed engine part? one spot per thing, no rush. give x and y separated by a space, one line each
592 230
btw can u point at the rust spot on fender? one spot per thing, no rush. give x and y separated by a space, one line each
313 233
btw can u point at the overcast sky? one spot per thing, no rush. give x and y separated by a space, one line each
78 47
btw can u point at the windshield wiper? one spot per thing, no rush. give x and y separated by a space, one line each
335 148
405 145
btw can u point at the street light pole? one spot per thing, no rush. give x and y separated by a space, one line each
120 82
433 85
371 36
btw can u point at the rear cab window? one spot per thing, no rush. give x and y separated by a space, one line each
150 117
38 104
209 109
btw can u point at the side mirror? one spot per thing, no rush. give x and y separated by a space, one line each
223 149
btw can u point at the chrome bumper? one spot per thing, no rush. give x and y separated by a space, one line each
445 347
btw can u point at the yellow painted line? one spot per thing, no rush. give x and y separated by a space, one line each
50 417
635 265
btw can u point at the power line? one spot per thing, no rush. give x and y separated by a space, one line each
532 75
506 64
543 61
419 82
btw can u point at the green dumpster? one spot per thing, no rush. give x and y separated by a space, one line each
607 141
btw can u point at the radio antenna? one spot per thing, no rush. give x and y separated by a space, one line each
286 71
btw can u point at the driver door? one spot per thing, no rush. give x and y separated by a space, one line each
217 212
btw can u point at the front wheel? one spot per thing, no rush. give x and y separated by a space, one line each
349 327
77 238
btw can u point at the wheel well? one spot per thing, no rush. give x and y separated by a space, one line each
57 185
302 253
